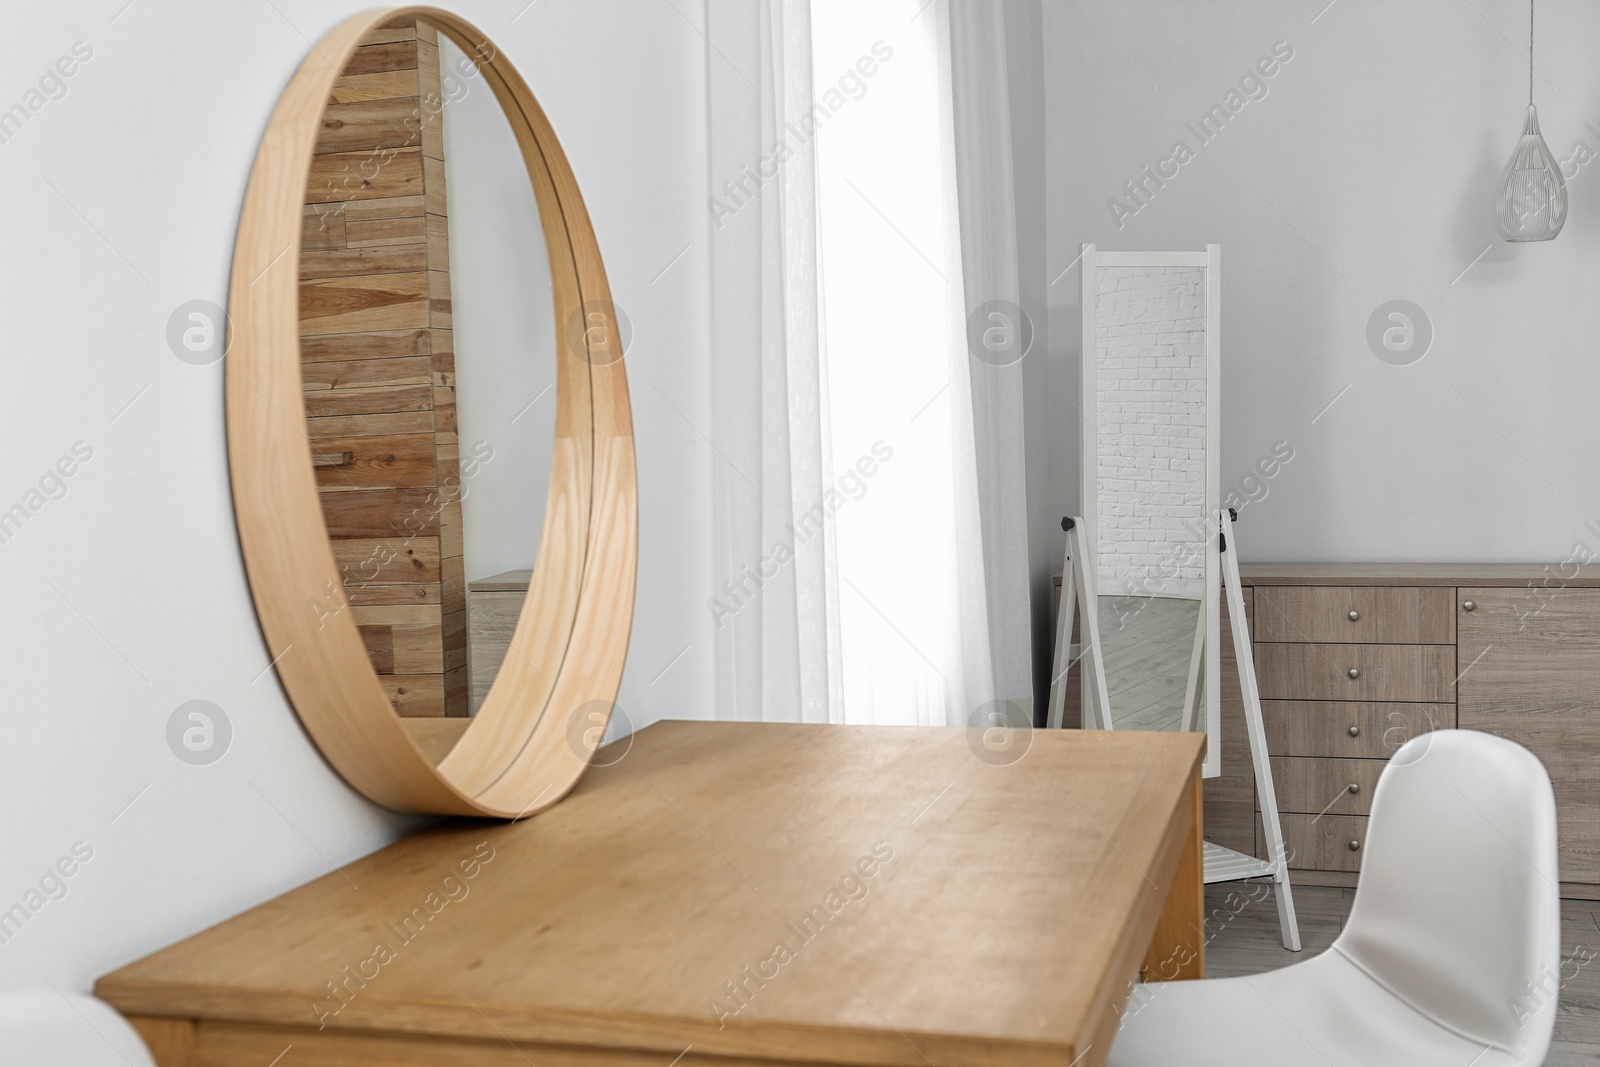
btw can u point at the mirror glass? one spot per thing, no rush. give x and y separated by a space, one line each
1150 506
428 358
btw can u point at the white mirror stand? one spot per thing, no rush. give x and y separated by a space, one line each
1151 445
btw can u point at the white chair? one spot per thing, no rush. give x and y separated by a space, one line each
44 1028
1452 952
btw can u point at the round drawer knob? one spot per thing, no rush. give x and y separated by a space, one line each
1355 731
1355 846
1467 605
1355 673
1355 787
1354 615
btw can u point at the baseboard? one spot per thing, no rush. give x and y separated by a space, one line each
1342 879
1347 880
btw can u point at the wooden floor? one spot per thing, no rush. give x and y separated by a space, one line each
1249 944
1146 645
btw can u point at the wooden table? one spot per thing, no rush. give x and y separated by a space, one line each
733 894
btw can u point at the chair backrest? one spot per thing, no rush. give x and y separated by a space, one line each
1458 910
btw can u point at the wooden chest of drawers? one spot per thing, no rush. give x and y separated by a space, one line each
494 606
1355 660
1348 674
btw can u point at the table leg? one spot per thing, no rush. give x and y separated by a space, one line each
171 1041
1178 949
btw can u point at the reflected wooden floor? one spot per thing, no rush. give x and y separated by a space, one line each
1248 944
1146 643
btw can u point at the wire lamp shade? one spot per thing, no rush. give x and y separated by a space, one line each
1532 205
1533 196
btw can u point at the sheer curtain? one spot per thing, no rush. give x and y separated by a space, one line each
885 454
915 629
775 611
989 265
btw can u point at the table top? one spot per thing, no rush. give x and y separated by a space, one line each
855 895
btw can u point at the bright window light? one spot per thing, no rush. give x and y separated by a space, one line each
891 280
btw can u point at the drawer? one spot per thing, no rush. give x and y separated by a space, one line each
1385 616
1381 672
1325 786
1325 843
1323 727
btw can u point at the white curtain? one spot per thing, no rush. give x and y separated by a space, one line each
989 266
775 612
915 628
856 432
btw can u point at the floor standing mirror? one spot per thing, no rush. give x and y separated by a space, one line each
1150 485
1153 522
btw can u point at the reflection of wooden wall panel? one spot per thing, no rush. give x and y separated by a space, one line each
382 560
379 377
371 513
343 262
383 344
402 461
400 54
342 180
363 302
378 424
364 373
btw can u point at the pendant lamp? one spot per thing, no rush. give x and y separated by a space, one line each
1532 205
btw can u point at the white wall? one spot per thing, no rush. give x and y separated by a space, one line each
1365 174
126 596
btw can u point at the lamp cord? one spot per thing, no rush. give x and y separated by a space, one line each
1530 53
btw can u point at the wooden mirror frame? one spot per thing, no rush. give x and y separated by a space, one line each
534 736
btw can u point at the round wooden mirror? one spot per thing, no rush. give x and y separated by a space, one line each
433 672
